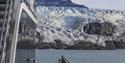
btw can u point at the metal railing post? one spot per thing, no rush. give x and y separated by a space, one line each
22 7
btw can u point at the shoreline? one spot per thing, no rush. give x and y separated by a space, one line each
110 45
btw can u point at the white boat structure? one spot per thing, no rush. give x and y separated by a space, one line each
10 18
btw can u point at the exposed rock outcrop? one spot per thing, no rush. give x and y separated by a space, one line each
96 28
84 46
110 45
26 44
58 44
78 45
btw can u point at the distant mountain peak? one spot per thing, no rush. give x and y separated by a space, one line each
66 3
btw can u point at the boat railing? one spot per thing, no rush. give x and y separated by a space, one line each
23 6
64 60
29 7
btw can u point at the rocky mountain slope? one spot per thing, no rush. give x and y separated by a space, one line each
61 21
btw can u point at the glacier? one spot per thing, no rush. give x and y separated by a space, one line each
67 23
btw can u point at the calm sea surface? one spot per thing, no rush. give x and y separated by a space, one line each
81 56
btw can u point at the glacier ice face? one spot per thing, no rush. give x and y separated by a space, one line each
66 23
56 16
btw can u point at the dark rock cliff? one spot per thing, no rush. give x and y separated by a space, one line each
96 28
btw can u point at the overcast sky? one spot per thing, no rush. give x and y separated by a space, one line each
105 4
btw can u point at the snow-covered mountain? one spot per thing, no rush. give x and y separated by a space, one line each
69 22
64 3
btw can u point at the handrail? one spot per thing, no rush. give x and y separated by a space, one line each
6 26
5 29
22 7
29 7
4 20
64 60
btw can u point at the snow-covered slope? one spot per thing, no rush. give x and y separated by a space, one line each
67 24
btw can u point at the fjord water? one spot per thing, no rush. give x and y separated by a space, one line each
80 56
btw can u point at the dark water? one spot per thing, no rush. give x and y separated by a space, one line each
74 56
81 56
